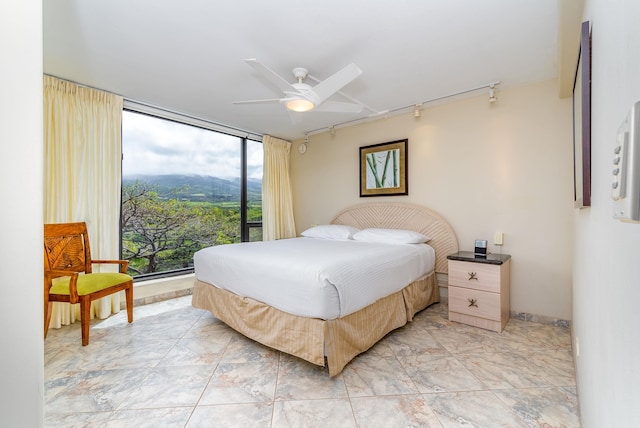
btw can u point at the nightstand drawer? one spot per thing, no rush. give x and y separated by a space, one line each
475 303
479 276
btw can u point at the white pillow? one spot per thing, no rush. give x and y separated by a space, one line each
330 231
391 236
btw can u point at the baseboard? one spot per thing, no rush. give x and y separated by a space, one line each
172 288
540 319
158 290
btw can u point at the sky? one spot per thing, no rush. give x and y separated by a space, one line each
156 146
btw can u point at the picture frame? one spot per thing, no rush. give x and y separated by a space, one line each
383 169
582 122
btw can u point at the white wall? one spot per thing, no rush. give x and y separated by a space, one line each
485 167
606 271
21 269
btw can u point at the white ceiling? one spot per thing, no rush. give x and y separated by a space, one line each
187 56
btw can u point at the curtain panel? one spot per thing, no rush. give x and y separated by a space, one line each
277 200
82 175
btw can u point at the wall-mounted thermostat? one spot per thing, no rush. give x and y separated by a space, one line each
625 185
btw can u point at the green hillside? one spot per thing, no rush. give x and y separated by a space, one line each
198 188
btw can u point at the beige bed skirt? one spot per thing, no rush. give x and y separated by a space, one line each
313 339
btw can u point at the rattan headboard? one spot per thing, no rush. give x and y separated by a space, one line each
398 215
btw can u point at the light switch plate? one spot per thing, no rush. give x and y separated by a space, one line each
498 238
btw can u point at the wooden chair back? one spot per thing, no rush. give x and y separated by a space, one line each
67 247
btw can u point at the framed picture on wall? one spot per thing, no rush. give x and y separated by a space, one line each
383 169
582 122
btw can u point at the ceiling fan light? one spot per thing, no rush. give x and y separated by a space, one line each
299 105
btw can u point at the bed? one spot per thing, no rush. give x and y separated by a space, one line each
333 337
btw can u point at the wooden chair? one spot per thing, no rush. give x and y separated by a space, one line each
67 256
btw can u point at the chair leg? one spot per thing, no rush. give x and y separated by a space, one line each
85 318
47 317
129 297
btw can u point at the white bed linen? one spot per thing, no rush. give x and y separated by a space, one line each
317 278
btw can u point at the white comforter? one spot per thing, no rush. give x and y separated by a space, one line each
318 278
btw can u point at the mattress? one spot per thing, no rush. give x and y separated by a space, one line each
316 278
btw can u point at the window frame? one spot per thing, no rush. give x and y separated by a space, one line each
244 136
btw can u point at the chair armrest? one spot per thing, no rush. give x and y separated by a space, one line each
124 264
51 274
73 282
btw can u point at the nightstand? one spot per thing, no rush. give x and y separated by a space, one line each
479 289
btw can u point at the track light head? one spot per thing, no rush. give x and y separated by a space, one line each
492 94
302 148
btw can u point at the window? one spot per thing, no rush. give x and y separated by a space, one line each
184 187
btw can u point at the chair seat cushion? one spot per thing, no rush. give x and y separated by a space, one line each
89 283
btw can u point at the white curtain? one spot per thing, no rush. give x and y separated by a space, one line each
277 201
82 174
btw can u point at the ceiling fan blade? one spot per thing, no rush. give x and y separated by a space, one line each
339 107
333 84
272 100
271 75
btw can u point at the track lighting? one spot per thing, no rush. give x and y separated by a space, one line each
492 94
303 147
416 110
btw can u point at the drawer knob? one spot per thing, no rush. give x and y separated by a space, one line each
472 302
472 275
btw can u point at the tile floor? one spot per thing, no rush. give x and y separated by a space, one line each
177 366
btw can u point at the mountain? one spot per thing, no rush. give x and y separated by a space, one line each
198 188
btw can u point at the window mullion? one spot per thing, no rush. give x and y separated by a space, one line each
244 229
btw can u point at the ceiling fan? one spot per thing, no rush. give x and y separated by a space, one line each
302 97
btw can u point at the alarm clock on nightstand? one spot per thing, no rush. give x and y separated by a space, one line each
481 248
